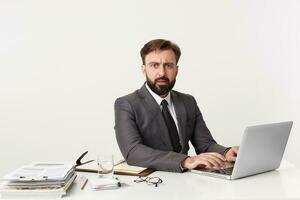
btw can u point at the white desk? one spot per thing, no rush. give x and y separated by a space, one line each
280 184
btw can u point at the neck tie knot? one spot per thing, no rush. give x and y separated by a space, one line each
164 103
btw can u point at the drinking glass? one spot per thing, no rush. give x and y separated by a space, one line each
105 164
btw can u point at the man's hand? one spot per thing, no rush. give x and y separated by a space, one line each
231 154
205 160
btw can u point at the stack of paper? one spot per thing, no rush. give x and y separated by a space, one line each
39 180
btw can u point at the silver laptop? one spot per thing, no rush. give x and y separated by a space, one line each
261 150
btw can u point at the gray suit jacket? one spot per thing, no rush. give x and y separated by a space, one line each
143 137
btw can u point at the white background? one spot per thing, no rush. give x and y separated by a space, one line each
63 63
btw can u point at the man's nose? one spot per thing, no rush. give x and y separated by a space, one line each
161 71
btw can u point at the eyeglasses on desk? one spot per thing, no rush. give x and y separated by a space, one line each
149 180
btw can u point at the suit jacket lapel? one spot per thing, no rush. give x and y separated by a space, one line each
181 117
155 114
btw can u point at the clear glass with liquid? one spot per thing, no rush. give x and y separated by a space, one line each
105 163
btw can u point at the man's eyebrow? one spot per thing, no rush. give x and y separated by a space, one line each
153 62
169 63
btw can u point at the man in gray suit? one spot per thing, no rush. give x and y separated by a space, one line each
154 124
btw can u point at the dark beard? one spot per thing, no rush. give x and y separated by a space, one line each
160 89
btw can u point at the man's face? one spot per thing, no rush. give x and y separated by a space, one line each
160 70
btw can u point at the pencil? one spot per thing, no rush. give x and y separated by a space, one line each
84 183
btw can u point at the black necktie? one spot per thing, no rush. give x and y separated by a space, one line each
171 126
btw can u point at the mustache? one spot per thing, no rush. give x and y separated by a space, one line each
162 79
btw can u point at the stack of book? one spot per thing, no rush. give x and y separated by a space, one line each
39 180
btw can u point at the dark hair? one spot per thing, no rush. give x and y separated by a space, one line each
160 44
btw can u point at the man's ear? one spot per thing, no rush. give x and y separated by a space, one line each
143 67
177 70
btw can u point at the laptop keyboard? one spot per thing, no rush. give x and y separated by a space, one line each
226 171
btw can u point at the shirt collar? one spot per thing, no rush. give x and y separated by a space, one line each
157 98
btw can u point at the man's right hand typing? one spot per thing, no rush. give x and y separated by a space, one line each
204 160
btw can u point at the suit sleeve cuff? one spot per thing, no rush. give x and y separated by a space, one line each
183 169
226 150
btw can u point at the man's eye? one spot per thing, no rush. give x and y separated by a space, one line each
155 65
169 65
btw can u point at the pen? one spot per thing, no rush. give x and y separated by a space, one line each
119 162
119 183
84 183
